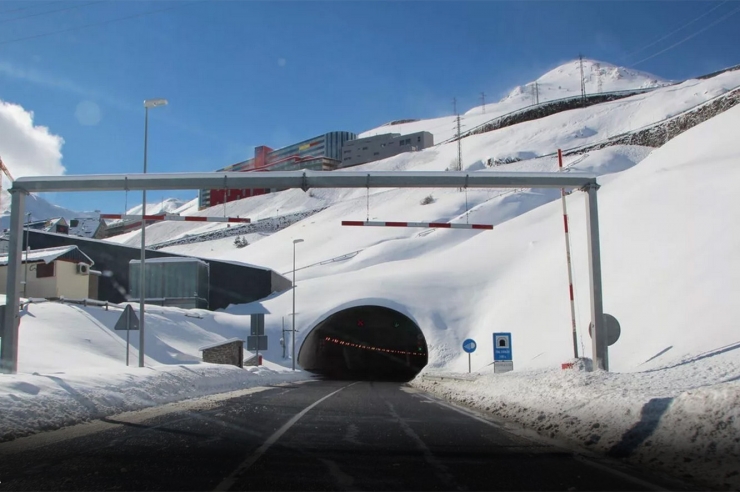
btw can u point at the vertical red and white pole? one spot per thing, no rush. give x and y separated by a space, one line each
570 265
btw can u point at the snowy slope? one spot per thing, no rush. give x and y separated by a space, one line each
561 82
524 141
87 339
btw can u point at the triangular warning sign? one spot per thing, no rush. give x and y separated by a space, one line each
128 320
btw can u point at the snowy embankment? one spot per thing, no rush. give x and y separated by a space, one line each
72 365
31 403
683 419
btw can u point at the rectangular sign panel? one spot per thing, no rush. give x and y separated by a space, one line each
503 366
257 342
257 324
502 346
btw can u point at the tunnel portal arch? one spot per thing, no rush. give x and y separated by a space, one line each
365 342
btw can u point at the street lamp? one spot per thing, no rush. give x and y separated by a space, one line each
148 103
295 241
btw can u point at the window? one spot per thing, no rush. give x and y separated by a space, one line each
418 139
74 223
364 148
45 270
347 158
376 153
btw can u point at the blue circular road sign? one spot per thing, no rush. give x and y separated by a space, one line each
469 345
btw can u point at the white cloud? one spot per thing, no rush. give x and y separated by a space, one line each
28 149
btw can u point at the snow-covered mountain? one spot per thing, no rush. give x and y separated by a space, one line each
40 209
166 206
560 82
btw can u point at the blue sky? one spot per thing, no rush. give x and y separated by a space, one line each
243 73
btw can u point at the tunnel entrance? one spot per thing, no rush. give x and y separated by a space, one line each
365 342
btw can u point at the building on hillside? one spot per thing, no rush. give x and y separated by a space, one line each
180 282
369 149
229 282
321 153
52 272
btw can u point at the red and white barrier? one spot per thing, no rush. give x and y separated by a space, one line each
441 225
176 218
570 266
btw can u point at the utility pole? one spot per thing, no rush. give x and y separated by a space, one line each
536 92
583 82
483 100
454 105
459 146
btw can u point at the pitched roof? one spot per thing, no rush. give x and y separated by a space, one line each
51 254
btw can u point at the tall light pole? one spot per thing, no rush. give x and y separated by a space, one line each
148 103
295 241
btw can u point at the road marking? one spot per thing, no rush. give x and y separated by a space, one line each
578 455
443 473
133 417
229 481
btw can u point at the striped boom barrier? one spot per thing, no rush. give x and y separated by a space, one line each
440 225
570 265
176 218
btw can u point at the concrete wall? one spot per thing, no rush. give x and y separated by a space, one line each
231 353
378 147
65 282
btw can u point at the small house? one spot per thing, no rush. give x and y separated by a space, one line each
226 352
54 272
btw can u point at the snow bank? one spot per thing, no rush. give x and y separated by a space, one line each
683 419
72 364
31 403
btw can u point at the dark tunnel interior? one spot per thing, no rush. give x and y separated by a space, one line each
365 342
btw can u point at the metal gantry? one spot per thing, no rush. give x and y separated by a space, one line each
304 180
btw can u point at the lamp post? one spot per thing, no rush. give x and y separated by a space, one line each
295 241
148 103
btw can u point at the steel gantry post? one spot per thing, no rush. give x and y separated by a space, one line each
11 318
599 345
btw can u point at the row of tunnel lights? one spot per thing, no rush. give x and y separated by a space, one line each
377 349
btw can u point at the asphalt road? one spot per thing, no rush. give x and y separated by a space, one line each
320 435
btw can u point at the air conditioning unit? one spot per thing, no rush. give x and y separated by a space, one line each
83 269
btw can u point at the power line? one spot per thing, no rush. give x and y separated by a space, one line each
674 31
721 19
49 12
100 23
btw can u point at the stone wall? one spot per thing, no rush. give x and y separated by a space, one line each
660 133
231 353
